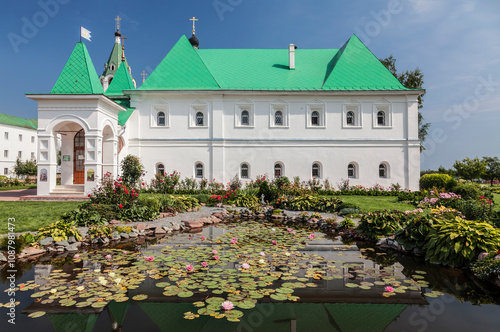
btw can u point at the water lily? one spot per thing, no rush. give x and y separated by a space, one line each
76 256
289 230
203 238
125 252
80 288
204 264
233 241
103 281
118 280
227 305
287 254
97 270
312 236
274 242
273 229
389 289
261 261
293 232
216 257
53 290
215 252
262 254
245 266
108 257
189 268
112 274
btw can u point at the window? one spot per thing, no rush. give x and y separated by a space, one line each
32 155
112 68
6 135
32 139
160 169
20 137
278 170
20 154
316 171
381 118
199 170
382 171
350 118
160 118
5 171
6 153
278 118
199 119
351 171
315 118
244 171
245 118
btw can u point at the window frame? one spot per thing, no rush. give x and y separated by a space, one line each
282 107
247 171
6 153
355 170
6 135
318 169
386 167
155 112
281 167
199 115
239 108
160 169
356 110
199 107
318 107
197 168
386 107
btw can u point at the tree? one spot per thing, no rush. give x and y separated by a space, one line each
470 169
132 170
25 168
492 169
411 79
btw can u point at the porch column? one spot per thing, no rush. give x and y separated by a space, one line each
93 160
47 164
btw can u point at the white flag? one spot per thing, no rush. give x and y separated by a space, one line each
85 33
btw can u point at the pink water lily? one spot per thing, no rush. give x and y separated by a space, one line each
389 289
125 252
245 266
216 257
215 252
189 268
203 238
108 257
274 242
233 241
204 264
227 305
149 258
289 230
312 236
262 254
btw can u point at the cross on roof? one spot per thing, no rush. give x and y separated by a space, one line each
144 74
194 20
118 19
123 40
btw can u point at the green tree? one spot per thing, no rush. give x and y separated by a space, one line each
470 169
25 168
492 169
411 79
132 170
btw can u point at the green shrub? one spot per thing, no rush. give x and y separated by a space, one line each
171 203
282 182
85 216
132 170
348 210
415 232
202 198
99 231
412 197
347 223
151 202
18 243
429 181
486 269
245 200
60 230
380 223
458 242
138 213
468 190
270 193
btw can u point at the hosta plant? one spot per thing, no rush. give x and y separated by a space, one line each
60 230
415 232
380 223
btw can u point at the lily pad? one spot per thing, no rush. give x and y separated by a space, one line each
36 314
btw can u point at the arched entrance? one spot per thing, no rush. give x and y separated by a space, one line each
79 158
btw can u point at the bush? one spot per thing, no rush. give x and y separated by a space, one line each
310 203
202 198
151 202
488 268
412 197
429 181
85 216
245 200
348 211
165 183
60 230
415 232
468 190
99 231
270 194
347 223
171 203
380 223
457 242
132 170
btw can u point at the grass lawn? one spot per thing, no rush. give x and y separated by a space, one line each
376 203
30 216
496 200
17 187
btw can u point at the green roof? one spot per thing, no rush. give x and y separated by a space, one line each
123 116
18 122
353 67
79 75
116 58
121 81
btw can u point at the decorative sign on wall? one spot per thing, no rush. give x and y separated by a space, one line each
81 156
66 158
90 175
43 175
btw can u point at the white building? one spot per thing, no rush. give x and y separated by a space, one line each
17 140
218 113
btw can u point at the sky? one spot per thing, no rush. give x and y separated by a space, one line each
455 43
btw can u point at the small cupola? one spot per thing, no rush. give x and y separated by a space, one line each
193 40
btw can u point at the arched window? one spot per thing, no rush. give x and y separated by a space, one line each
351 171
381 118
244 171
316 171
199 119
350 118
315 118
382 171
278 118
160 169
245 118
199 170
278 170
161 118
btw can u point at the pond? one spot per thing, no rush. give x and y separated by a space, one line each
248 277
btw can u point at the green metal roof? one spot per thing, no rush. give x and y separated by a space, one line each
79 75
18 122
353 67
116 58
123 116
121 81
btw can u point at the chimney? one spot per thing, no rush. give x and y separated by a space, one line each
291 56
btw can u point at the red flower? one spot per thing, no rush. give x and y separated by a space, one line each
120 206
119 185
119 179
161 180
136 194
143 184
89 195
126 191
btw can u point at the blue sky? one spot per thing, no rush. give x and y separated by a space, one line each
456 43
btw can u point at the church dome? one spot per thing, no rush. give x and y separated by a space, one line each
117 33
194 41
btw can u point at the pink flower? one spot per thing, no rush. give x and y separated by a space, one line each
216 257
149 258
311 236
76 256
125 252
214 252
227 305
108 256
273 242
245 266
233 241
293 232
389 289
289 229
189 268
203 238
204 264
262 254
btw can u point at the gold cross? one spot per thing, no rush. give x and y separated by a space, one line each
194 20
144 74
123 40
118 19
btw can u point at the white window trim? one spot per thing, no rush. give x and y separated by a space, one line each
283 107
358 119
282 169
204 170
356 170
320 108
240 107
195 108
387 170
387 109
320 176
155 109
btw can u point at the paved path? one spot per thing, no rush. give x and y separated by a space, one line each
14 195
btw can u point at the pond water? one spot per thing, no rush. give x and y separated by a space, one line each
277 279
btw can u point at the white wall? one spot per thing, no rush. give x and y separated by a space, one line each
13 145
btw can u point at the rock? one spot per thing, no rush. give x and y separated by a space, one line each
105 240
217 215
46 241
175 226
140 227
192 224
160 230
124 235
207 221
115 235
62 243
72 247
167 229
60 249
2 257
482 256
381 241
133 235
215 220
497 257
114 222
31 251
71 239
418 252
261 216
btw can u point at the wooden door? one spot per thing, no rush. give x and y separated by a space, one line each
79 158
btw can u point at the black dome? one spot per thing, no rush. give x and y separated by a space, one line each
117 33
194 41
